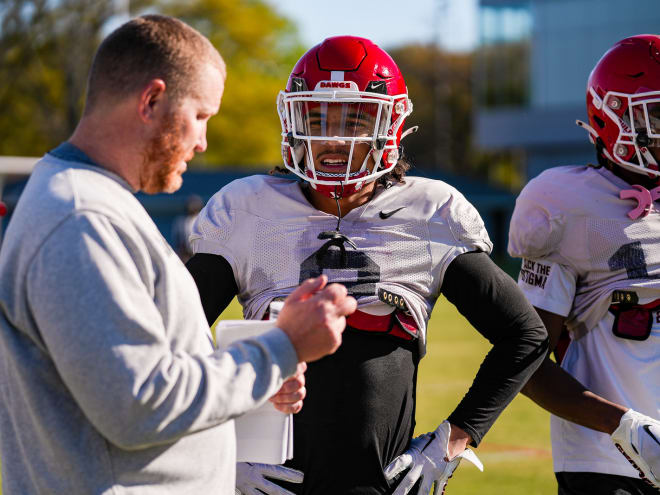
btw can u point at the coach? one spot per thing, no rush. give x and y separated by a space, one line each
108 379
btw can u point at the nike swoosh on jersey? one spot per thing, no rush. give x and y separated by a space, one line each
388 214
647 429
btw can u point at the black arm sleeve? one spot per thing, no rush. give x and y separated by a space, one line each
492 302
215 283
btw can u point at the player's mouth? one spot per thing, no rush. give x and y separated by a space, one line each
334 162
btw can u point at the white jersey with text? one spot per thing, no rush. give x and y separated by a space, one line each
582 258
406 236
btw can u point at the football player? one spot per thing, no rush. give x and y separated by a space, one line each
589 237
396 243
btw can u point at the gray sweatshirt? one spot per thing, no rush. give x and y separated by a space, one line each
108 379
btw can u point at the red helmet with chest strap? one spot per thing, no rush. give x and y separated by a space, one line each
349 93
623 104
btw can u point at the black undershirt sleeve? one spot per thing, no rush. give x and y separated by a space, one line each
215 283
492 302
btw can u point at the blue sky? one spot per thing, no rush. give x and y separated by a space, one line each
388 23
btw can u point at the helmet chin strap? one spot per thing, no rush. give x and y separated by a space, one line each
335 237
593 135
338 194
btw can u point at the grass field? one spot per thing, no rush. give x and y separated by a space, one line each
516 452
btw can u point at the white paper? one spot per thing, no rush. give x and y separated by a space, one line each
264 434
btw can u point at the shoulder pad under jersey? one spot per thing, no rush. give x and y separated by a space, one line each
466 224
453 209
538 220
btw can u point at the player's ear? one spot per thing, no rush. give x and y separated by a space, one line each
150 99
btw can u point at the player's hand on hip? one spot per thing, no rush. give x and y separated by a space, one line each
251 478
638 439
427 458
289 398
314 317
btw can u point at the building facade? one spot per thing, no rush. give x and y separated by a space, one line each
532 66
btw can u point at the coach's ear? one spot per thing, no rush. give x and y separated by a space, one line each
151 100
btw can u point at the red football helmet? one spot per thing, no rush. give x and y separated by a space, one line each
349 92
623 104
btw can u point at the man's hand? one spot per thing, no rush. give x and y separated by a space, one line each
313 317
427 458
289 398
638 439
251 478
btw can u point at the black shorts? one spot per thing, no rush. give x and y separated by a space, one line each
601 484
357 417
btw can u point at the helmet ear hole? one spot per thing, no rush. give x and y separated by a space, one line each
642 139
599 121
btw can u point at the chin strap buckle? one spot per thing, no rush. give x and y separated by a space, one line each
337 239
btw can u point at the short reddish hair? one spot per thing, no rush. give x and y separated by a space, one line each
146 48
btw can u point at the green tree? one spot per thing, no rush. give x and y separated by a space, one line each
46 49
441 86
45 53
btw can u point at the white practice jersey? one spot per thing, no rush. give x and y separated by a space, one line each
581 253
268 232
